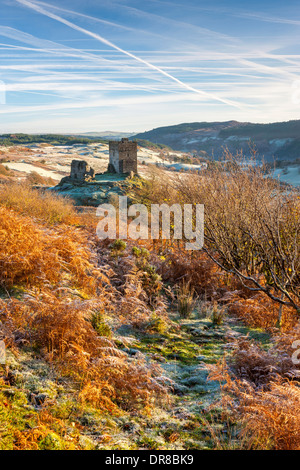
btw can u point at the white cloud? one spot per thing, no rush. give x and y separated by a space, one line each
41 10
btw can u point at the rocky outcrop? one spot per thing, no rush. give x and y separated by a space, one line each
89 194
86 188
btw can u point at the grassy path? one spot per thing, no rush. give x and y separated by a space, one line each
183 349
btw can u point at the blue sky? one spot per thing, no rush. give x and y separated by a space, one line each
128 65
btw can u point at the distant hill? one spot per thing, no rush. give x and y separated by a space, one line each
280 139
51 139
107 135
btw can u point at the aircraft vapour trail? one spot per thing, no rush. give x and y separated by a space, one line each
41 10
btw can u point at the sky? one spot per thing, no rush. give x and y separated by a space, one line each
74 66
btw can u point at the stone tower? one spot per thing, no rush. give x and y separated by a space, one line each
122 156
80 171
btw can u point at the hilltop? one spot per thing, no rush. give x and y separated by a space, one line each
280 140
107 135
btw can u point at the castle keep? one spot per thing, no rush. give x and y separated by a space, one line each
122 156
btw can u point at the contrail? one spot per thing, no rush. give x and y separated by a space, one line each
41 10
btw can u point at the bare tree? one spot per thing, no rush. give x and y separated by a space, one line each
252 226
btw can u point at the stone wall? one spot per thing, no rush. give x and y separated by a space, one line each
80 171
114 156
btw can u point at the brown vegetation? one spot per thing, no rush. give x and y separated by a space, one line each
44 206
66 286
64 294
35 178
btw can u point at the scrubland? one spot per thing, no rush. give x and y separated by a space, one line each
142 344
